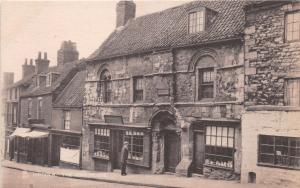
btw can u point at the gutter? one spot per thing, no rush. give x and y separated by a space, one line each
164 49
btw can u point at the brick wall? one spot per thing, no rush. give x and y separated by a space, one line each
46 109
58 119
268 57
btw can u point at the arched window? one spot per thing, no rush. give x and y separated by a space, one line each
104 86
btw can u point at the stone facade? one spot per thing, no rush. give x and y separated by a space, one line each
170 79
270 61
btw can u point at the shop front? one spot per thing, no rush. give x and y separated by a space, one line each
216 148
65 148
30 146
106 142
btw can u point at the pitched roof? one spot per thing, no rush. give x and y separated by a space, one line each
24 81
169 29
72 95
66 72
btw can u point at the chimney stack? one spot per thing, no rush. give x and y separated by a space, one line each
67 53
41 65
27 69
125 11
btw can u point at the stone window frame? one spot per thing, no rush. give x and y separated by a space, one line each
198 83
213 143
102 143
287 23
135 90
287 98
136 144
277 154
105 83
67 119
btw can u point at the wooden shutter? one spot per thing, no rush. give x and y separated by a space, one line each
147 149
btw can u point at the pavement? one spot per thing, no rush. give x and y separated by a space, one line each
139 180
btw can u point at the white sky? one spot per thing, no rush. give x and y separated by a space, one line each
29 27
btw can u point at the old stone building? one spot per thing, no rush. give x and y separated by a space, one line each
171 83
270 124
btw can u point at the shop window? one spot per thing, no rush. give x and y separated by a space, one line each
279 151
196 21
206 83
101 143
138 89
67 120
40 108
293 92
292 29
104 87
136 144
70 150
29 109
219 146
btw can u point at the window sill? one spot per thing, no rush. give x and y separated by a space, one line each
218 167
101 158
137 163
277 166
272 108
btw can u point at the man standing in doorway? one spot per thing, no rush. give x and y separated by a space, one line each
124 157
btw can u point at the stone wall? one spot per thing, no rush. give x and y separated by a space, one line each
269 58
170 80
277 123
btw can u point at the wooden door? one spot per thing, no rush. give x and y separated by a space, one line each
199 144
117 143
172 150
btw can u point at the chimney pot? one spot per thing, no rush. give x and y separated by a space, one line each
25 61
40 55
45 55
31 61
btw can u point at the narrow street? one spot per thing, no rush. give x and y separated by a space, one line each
12 178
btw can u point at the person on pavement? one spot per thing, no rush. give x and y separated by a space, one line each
124 157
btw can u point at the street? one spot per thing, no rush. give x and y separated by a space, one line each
12 178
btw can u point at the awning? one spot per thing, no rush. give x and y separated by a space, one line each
26 133
20 132
37 134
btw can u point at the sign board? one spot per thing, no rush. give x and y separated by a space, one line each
163 92
113 119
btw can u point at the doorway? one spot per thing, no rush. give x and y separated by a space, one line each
199 145
172 150
117 143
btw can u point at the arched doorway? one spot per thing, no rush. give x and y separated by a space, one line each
172 150
166 143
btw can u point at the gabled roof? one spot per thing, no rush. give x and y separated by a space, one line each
66 72
72 95
25 81
169 29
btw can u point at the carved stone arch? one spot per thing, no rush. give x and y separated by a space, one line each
163 119
203 53
103 67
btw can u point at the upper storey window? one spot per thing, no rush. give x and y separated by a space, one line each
293 26
104 86
196 21
293 92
